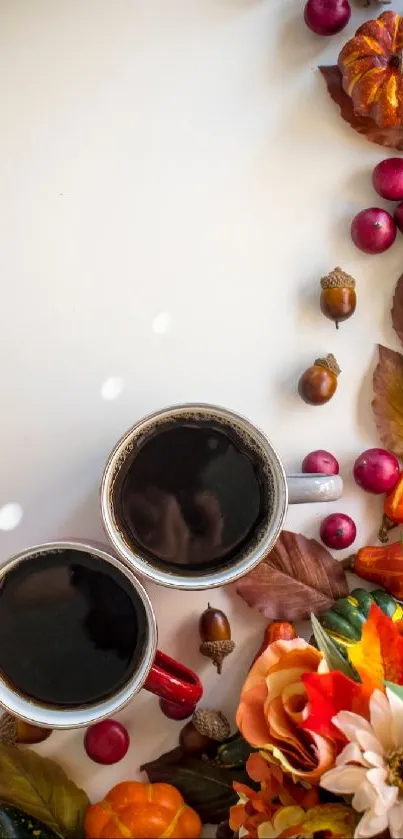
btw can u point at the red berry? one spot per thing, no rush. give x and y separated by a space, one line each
176 712
106 742
373 230
338 531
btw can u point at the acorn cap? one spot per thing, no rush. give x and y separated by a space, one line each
212 724
217 651
329 362
337 279
8 729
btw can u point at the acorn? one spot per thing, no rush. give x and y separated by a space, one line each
205 728
338 299
7 729
319 382
15 730
215 634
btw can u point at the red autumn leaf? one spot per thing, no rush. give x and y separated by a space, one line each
397 309
387 404
389 137
378 656
297 577
329 693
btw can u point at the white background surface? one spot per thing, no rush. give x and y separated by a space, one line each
179 157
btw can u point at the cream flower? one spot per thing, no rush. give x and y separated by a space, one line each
370 767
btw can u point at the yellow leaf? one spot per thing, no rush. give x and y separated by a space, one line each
366 655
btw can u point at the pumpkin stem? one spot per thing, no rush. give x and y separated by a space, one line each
396 60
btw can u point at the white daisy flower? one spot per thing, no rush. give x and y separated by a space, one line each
370 767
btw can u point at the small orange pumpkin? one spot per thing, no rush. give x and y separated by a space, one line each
142 811
371 65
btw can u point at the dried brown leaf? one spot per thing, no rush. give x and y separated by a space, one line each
389 137
397 309
205 786
297 577
387 403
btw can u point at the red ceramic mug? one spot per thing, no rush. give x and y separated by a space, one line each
153 670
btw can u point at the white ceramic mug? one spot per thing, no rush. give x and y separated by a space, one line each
294 489
154 670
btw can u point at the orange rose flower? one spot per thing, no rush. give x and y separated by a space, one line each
274 703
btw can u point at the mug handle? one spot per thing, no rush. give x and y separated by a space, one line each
311 487
173 681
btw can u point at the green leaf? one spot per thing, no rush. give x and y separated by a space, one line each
40 788
205 787
397 689
333 656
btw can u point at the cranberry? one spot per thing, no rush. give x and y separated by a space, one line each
106 742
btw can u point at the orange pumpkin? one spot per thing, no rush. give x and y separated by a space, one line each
142 811
371 65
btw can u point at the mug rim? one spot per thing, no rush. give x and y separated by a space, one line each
211 578
49 716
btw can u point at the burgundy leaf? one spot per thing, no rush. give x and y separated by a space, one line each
387 403
397 309
297 577
389 137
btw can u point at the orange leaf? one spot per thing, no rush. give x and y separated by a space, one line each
389 137
378 656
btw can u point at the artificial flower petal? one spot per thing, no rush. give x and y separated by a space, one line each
266 831
250 717
269 659
351 754
370 825
396 707
377 777
368 742
364 797
287 817
284 731
381 719
396 821
279 658
343 780
349 723
237 816
386 794
330 820
329 693
295 702
277 680
373 759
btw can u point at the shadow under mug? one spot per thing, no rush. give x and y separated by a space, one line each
154 670
278 488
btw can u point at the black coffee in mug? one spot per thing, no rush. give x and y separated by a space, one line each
191 494
72 628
